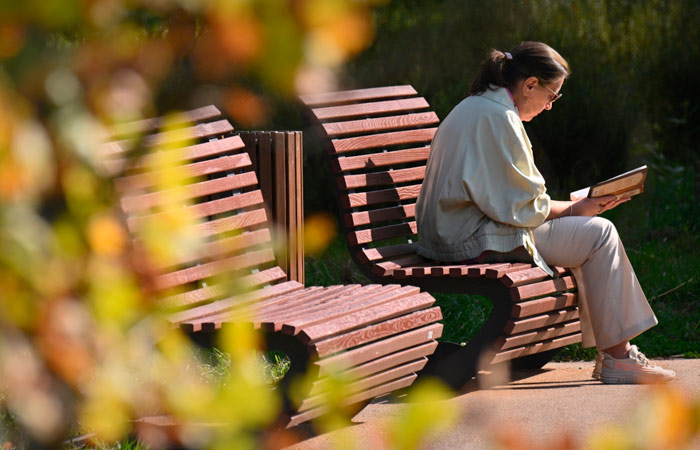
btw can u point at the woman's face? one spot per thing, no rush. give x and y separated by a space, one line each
532 97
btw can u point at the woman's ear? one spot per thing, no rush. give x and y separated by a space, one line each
529 84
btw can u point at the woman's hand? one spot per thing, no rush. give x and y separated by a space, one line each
594 206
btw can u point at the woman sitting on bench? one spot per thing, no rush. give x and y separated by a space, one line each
484 200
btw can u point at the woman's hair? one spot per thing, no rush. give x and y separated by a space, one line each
527 59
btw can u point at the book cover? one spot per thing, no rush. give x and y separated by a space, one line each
627 184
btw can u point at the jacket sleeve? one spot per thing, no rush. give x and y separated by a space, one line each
503 181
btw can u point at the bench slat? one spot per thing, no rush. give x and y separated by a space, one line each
394 359
532 307
193 152
380 313
208 293
230 303
387 178
367 383
329 345
202 210
385 267
261 310
536 348
498 273
136 203
526 276
373 141
542 288
198 131
199 169
323 385
355 95
542 334
406 297
207 270
141 126
411 155
376 216
319 307
252 311
222 247
479 270
372 351
368 109
544 320
382 233
414 120
237 223
380 196
418 271
356 398
388 251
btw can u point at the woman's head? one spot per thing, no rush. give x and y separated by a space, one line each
525 60
528 70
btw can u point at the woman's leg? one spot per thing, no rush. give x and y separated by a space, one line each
612 305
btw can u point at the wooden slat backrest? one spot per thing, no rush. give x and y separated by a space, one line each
211 182
277 158
378 142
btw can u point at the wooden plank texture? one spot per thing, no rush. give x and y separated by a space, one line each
381 159
544 320
403 121
368 109
387 178
355 95
533 307
542 288
537 348
383 140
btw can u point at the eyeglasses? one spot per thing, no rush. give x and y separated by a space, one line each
555 95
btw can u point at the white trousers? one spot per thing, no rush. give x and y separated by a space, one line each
612 305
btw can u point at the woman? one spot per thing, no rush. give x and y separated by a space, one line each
484 200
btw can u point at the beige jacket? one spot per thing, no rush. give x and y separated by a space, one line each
482 190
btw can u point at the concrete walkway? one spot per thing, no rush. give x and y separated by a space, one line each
559 406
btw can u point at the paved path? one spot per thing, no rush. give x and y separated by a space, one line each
559 402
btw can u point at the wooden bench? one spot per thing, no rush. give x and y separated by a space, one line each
378 335
377 141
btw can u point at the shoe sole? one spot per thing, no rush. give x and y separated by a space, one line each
635 380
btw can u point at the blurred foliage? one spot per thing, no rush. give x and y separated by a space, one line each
84 345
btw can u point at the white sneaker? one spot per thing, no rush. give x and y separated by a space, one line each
598 365
635 369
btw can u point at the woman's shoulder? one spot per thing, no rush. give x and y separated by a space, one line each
480 107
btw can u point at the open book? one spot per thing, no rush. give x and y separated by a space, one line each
624 185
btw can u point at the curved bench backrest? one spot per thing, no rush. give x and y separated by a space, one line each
378 142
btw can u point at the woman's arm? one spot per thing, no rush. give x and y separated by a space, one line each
583 207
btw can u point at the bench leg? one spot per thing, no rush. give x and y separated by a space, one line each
455 364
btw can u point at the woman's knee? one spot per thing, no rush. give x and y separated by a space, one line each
605 229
